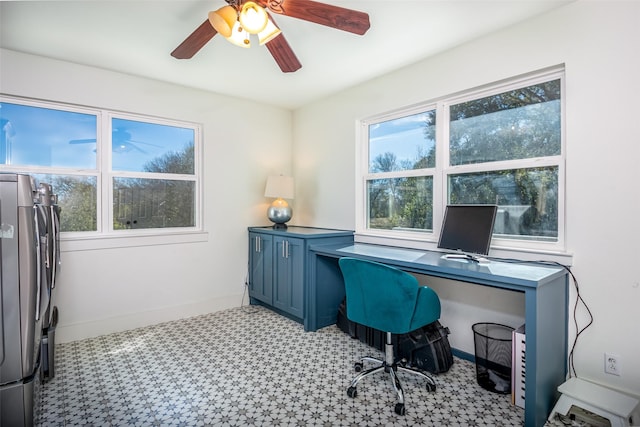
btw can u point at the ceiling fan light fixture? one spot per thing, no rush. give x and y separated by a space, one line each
270 32
253 18
223 19
239 36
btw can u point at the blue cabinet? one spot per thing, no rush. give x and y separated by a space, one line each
279 266
261 267
288 292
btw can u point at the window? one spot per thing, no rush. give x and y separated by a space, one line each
500 145
153 175
400 172
113 173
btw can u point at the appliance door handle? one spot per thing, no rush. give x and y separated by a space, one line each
38 261
56 249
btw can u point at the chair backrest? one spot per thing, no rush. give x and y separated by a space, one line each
378 295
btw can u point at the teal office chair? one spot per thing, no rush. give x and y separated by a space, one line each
390 300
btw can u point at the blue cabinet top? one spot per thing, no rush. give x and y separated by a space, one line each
302 232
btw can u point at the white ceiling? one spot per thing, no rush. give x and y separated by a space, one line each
137 37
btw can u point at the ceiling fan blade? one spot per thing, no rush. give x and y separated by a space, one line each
133 141
82 141
196 40
283 54
337 17
135 147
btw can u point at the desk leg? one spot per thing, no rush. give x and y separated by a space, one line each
546 319
325 292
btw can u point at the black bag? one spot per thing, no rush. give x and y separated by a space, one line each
426 348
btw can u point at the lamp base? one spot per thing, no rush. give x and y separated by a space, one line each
279 213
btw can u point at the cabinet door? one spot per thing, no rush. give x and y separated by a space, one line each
288 294
261 267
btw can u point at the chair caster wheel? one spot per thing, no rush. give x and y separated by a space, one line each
358 366
400 409
431 387
352 392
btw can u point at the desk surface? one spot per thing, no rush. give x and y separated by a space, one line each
515 275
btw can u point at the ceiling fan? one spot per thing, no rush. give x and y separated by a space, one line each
241 17
121 140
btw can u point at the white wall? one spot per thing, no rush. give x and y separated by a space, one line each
598 43
106 290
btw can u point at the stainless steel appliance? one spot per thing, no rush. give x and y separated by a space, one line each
29 243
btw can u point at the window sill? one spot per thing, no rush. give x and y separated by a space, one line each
70 244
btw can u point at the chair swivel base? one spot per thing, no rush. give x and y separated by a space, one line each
391 368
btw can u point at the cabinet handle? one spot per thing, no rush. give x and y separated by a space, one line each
285 249
257 244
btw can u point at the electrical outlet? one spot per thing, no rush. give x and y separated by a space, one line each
611 364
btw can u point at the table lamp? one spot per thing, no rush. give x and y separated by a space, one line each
280 187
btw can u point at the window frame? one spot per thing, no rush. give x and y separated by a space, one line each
429 239
105 236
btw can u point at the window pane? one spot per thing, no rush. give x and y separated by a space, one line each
153 203
77 198
35 136
403 144
520 124
527 199
401 203
149 147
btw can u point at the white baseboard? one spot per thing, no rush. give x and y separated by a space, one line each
95 328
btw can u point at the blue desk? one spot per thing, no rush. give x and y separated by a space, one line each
546 290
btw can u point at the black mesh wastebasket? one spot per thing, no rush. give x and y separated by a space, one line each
493 356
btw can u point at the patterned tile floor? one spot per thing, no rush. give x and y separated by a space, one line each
248 366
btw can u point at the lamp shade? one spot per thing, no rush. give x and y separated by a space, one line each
223 19
253 18
269 33
239 36
280 187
